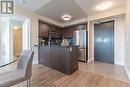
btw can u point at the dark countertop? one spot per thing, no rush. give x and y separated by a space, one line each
54 46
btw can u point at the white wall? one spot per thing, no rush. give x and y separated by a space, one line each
119 40
90 41
118 35
0 39
26 34
106 14
127 40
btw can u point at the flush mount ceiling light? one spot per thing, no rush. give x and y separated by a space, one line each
66 18
16 27
104 6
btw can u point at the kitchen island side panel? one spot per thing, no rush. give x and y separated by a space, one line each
63 59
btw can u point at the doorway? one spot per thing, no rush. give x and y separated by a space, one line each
14 37
20 36
104 42
17 33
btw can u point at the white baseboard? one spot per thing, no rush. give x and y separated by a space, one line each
35 61
90 59
127 71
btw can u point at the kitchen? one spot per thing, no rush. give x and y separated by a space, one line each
60 48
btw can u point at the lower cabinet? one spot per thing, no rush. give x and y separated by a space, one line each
44 55
63 59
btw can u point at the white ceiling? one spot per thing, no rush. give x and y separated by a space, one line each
89 5
32 5
54 9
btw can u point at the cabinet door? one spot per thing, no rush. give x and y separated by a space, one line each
43 30
44 56
55 32
55 60
59 32
58 59
68 33
73 59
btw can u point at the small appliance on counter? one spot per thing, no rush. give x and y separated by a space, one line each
43 41
55 41
65 42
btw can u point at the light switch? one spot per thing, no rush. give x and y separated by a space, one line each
70 49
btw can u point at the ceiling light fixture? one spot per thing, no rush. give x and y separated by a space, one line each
16 27
104 6
66 18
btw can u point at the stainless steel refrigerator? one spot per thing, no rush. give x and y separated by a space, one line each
80 39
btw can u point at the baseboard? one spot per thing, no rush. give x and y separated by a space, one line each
127 71
35 61
90 59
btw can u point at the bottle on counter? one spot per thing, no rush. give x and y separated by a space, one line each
65 42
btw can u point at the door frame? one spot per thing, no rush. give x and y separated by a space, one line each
21 19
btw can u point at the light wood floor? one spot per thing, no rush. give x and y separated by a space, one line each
84 77
108 70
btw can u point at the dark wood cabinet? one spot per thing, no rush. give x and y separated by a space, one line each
44 55
68 32
58 59
43 30
56 32
53 32
49 34
46 30
63 59
73 61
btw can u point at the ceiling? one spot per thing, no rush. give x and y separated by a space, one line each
89 5
54 9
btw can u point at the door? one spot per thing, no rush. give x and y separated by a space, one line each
104 42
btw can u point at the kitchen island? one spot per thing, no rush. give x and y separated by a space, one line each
60 58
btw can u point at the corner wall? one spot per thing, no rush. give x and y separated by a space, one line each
127 40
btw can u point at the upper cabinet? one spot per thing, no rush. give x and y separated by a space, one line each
52 35
68 32
49 34
55 32
43 30
47 30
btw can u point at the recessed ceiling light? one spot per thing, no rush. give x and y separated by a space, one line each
16 27
66 17
104 6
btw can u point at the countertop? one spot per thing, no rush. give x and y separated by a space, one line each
54 46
